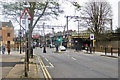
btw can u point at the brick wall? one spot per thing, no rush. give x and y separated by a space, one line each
5 31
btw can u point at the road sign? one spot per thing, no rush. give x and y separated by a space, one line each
27 13
91 36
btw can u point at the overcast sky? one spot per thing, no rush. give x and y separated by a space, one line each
69 11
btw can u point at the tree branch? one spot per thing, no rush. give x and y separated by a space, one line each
40 15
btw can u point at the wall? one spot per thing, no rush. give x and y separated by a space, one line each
6 30
114 44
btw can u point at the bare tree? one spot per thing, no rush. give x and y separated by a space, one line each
96 16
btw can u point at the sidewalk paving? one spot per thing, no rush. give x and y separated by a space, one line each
13 66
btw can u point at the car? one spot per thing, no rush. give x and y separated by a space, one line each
62 48
52 46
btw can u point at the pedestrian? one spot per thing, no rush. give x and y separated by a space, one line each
44 49
3 49
56 48
8 48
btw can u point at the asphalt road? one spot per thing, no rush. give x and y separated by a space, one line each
70 64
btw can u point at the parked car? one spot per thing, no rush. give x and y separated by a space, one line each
62 48
52 46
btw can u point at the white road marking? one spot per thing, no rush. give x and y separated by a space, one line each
46 59
51 64
73 58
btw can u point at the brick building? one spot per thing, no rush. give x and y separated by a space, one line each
6 32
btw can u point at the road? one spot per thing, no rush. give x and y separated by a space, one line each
71 64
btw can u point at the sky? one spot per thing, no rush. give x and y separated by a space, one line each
69 11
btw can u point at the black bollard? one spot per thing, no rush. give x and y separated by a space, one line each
44 50
111 51
90 49
94 49
118 52
105 51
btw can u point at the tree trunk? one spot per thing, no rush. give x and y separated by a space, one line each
30 41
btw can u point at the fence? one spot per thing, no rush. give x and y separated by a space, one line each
106 50
112 50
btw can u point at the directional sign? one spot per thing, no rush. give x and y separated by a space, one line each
27 13
91 36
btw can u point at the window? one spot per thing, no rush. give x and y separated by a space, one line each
8 34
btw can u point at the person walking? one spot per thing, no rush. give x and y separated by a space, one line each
8 48
3 49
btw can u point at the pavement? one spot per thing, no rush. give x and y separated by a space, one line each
12 66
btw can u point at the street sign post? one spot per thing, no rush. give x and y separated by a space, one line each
91 43
26 15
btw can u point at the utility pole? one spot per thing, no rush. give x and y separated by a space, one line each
111 24
52 36
44 32
67 29
67 24
20 29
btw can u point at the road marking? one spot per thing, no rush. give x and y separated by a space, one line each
51 64
46 59
73 58
45 71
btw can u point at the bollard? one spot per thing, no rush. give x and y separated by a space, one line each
105 51
94 49
118 52
111 51
44 50
87 49
90 49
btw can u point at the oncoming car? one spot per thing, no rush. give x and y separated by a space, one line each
62 48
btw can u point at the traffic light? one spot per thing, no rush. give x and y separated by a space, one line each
59 39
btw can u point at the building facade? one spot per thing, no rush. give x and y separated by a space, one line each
6 33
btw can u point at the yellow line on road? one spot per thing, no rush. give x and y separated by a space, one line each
45 71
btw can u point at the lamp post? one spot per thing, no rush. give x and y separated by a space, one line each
67 24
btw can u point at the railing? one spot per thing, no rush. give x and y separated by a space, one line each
106 50
113 50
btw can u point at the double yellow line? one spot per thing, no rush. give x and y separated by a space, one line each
45 71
